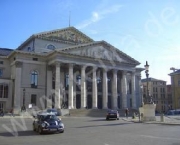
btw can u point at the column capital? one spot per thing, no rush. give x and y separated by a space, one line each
70 64
18 63
83 66
57 63
115 70
95 68
49 67
124 72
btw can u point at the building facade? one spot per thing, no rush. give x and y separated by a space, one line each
64 68
175 84
169 97
156 90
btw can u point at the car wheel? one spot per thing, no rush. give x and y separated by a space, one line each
40 130
107 118
34 129
61 131
117 118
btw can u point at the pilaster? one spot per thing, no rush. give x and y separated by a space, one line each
57 86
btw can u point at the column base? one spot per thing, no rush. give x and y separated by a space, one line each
105 108
94 107
70 107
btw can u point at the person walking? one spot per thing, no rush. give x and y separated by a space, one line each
12 112
126 112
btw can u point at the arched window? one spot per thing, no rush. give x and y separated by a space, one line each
34 79
50 46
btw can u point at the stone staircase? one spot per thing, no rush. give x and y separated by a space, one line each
96 112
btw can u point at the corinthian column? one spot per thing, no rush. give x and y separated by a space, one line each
105 89
114 90
94 97
124 90
57 86
71 86
133 90
83 87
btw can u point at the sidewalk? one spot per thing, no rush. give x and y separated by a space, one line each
168 120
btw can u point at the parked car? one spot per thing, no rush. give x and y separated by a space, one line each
173 112
112 114
46 122
54 111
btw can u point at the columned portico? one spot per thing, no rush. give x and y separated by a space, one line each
105 89
83 87
57 86
114 90
70 87
94 89
133 91
124 90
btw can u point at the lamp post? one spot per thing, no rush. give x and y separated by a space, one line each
24 97
147 76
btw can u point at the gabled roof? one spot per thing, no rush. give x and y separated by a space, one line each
64 29
49 35
5 51
151 80
68 49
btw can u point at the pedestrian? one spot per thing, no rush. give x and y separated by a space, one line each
126 112
1 112
12 112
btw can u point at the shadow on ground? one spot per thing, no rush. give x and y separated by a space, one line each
22 133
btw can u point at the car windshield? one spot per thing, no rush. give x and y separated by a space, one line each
51 110
49 117
112 111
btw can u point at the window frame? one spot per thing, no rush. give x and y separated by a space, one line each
34 79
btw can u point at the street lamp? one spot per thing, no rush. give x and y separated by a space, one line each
24 97
147 75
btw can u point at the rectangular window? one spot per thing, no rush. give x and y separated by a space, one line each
35 59
33 99
3 91
1 72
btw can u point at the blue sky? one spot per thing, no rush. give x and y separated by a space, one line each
147 30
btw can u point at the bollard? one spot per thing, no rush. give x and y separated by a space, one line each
162 117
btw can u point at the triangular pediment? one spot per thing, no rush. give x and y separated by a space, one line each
100 50
70 34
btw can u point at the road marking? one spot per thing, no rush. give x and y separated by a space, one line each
149 136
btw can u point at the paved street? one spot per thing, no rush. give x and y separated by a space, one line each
89 131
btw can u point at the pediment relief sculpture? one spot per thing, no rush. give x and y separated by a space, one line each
101 53
68 35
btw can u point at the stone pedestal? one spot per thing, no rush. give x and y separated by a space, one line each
147 112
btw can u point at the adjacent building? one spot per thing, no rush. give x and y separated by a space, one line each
65 68
175 84
157 91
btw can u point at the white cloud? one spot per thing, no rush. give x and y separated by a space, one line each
98 15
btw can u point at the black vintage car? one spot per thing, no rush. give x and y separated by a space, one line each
46 122
112 114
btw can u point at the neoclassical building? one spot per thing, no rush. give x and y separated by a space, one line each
64 68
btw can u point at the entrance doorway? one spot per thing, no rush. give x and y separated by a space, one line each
89 101
78 101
